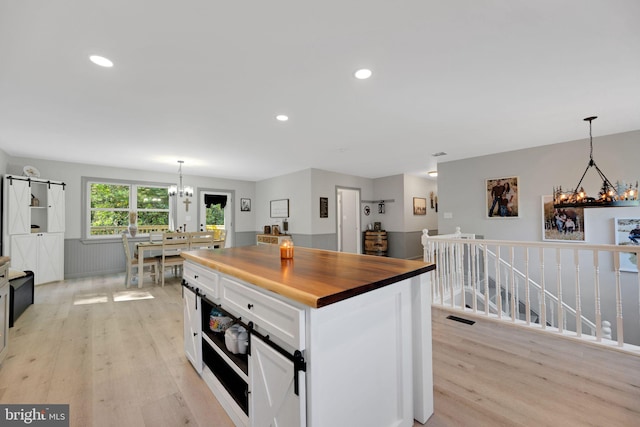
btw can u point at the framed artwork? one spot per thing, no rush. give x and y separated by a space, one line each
502 197
245 205
420 206
279 208
324 207
565 224
627 232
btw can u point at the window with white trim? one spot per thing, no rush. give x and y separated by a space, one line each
111 205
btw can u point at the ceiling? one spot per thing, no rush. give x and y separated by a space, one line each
202 81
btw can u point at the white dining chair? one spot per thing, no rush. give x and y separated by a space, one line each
172 245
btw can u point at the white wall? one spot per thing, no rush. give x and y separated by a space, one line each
399 215
389 188
461 184
419 187
323 184
294 186
72 173
4 160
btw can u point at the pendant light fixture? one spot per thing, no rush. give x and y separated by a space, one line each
180 190
609 196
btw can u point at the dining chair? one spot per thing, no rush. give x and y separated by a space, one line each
132 262
155 236
172 244
201 240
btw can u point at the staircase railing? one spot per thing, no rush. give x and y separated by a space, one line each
560 287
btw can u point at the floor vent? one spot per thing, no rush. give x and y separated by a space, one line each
461 320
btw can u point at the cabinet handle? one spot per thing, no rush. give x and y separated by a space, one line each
195 276
249 306
195 334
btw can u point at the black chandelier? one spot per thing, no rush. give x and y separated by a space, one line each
609 196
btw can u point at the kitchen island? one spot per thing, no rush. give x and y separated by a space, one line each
334 339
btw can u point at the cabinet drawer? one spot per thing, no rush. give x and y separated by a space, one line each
201 277
271 316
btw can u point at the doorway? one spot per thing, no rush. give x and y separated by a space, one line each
348 217
216 212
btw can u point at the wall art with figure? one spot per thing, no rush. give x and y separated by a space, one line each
627 232
502 197
563 224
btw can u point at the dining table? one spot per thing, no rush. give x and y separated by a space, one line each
154 246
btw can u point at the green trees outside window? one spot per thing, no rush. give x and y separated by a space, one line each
111 203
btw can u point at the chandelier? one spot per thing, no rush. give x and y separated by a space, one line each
610 195
180 190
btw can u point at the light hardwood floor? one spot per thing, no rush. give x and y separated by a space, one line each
122 364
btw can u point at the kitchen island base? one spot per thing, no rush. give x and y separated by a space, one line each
360 360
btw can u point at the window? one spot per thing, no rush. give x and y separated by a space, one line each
215 210
110 204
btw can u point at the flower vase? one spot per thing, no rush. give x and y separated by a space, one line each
133 230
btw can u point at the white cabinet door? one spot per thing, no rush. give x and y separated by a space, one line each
271 381
55 209
18 201
192 328
4 311
42 253
24 252
50 257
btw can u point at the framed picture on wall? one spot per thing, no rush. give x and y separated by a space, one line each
627 232
279 208
245 205
324 207
565 224
420 206
502 197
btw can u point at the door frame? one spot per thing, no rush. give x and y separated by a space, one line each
229 214
358 234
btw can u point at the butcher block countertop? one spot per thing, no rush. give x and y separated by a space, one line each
313 277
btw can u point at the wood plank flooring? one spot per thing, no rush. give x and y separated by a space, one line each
122 364
492 373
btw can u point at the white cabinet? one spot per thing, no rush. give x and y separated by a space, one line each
270 315
203 279
4 310
55 209
17 206
271 239
34 225
42 253
192 327
278 393
266 387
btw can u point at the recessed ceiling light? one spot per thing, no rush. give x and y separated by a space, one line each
362 74
432 173
282 117
101 61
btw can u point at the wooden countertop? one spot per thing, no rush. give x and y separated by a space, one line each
313 277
